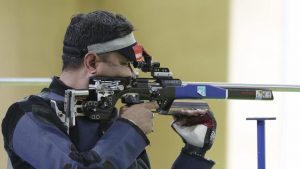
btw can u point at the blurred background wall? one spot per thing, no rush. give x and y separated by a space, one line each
264 43
190 37
255 56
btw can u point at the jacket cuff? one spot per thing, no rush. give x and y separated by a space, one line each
186 160
191 151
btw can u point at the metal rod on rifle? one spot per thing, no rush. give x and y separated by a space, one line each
19 81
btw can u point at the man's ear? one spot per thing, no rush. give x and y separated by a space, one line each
90 62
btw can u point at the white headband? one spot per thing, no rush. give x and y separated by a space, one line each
112 45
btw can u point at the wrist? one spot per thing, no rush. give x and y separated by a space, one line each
193 150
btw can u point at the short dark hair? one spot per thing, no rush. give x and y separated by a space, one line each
91 28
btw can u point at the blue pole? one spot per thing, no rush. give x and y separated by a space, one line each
261 156
261 144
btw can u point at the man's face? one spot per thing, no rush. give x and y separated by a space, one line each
113 65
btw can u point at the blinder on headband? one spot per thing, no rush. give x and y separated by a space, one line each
126 46
134 53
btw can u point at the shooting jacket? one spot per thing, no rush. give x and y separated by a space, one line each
34 137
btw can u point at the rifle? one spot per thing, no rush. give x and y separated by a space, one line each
98 101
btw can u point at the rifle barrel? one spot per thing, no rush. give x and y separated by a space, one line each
272 87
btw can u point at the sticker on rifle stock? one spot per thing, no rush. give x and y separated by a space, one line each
201 90
261 94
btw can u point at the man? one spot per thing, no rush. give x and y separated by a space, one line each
99 43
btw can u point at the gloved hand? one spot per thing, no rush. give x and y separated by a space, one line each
197 128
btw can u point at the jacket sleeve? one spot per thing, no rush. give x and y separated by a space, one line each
43 145
185 160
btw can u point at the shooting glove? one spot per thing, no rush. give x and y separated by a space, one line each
198 132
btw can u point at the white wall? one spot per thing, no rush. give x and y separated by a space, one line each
290 147
264 48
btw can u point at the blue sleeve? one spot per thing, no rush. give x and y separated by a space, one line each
121 144
43 145
185 160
